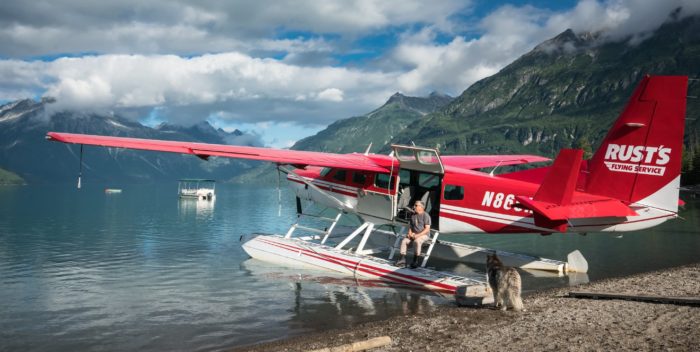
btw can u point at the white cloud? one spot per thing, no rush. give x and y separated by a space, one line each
251 138
331 94
452 67
185 27
510 31
271 134
621 18
190 89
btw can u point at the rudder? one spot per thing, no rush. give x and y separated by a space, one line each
639 161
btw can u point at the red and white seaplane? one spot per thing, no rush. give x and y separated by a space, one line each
631 183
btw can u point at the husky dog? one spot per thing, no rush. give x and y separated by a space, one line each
504 282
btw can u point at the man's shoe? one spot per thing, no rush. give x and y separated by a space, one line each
417 260
401 261
413 262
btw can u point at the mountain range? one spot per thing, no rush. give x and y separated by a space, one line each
373 130
24 151
377 127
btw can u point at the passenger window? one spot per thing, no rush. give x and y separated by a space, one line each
359 178
428 180
454 192
340 175
382 181
325 171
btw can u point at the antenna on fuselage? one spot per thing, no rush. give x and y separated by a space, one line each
368 148
496 167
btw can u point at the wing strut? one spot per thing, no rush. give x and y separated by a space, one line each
80 172
279 193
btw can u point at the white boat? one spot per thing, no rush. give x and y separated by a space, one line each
112 190
195 188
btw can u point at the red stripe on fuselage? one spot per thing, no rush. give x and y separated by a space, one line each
488 226
496 227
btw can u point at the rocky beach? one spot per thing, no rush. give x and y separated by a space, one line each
552 321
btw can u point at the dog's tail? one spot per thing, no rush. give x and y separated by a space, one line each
515 300
513 290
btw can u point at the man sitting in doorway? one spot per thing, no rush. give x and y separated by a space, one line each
418 230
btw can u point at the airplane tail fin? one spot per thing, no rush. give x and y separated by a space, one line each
559 183
555 202
639 161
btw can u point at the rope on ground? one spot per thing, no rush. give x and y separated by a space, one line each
359 345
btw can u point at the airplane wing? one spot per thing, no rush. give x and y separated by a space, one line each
472 162
354 161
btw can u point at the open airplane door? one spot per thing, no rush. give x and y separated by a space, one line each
420 178
375 204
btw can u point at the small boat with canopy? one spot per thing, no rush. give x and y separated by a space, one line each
196 188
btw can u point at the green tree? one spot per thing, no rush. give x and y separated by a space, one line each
583 143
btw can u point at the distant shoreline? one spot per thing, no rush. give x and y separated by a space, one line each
552 321
12 184
9 178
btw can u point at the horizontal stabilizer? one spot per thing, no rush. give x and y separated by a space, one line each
556 201
592 207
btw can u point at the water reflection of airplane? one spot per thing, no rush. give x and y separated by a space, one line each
630 183
346 296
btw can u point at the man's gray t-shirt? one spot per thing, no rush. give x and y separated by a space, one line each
419 221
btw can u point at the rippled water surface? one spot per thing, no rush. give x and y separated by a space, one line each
141 270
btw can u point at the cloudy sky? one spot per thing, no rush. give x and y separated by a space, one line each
281 70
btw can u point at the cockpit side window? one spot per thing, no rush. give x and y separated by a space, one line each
359 178
453 192
340 175
382 181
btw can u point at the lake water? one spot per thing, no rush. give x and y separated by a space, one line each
141 270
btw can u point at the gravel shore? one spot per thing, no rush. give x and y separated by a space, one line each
552 322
